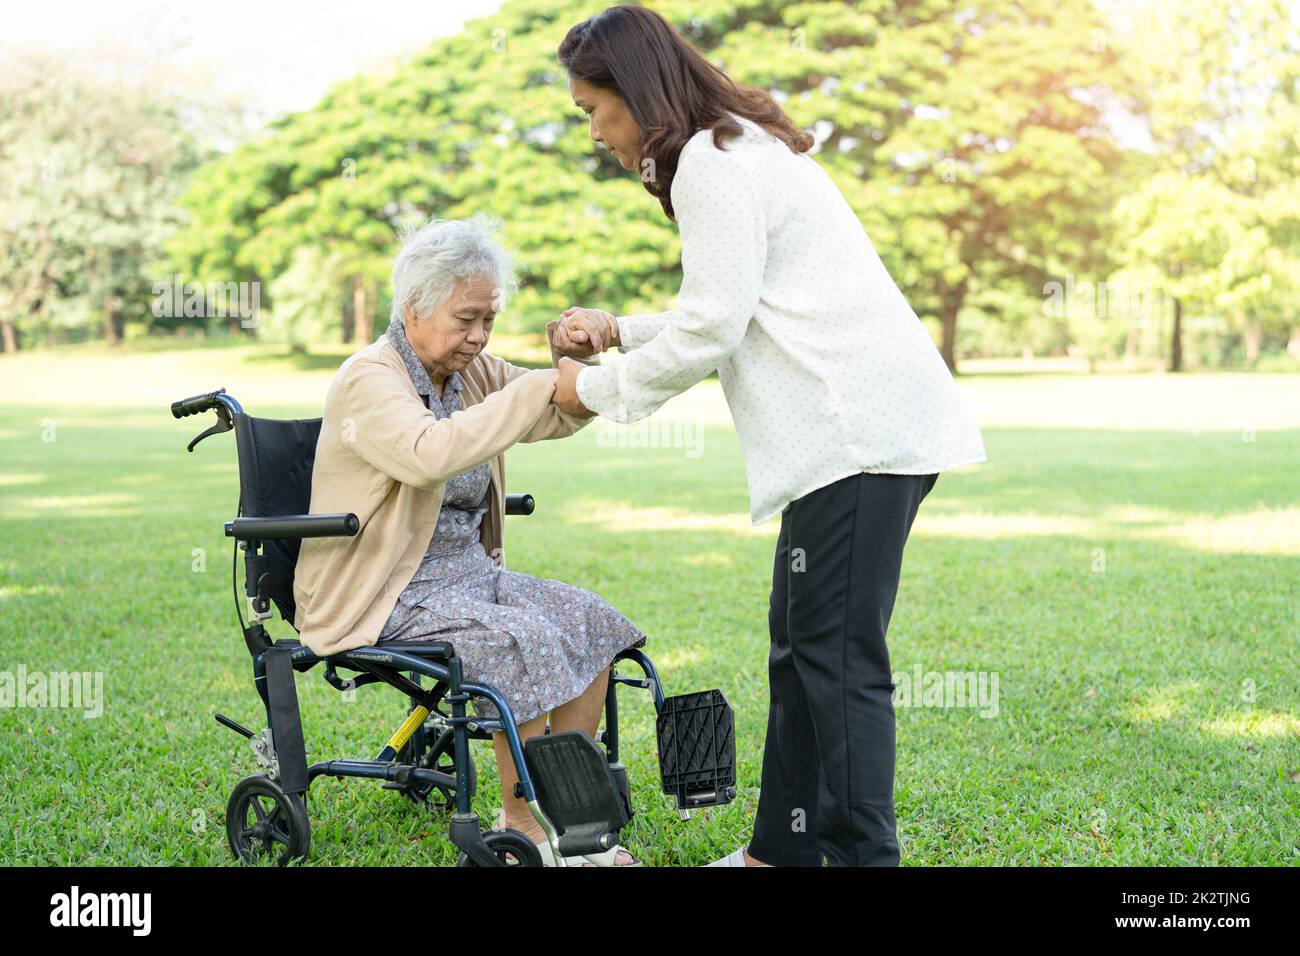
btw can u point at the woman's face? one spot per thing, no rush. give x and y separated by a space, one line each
611 121
449 339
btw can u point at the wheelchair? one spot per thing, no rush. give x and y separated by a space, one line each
575 787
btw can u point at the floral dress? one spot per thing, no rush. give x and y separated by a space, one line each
540 643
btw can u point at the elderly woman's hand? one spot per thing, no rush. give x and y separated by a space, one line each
583 333
566 390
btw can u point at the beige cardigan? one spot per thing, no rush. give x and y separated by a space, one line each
385 457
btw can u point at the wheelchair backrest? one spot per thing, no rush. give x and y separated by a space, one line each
276 457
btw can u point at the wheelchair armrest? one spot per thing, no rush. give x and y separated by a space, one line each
293 526
520 504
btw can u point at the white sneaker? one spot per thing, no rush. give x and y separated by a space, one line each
731 859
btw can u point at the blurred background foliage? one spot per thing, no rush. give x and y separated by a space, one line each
1043 177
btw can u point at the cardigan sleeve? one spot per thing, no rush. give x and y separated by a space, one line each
553 423
724 252
399 436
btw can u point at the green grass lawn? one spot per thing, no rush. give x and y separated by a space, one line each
1133 588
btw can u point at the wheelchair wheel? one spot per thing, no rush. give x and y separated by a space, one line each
263 823
441 756
510 846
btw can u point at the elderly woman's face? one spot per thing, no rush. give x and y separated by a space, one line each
449 339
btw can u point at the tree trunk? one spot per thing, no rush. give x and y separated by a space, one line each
948 349
361 318
114 325
7 333
347 321
1254 336
1131 343
1176 339
951 300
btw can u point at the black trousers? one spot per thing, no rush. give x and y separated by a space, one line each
828 760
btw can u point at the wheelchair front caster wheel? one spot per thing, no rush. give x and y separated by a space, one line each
511 847
263 823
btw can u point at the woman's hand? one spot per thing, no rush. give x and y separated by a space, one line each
566 389
583 333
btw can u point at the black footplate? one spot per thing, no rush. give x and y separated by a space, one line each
577 791
697 749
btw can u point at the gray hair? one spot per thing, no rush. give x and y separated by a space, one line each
439 254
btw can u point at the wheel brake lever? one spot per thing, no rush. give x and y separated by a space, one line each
223 424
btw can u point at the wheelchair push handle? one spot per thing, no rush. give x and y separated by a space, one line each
196 404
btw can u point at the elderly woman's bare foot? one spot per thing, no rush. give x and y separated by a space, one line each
527 825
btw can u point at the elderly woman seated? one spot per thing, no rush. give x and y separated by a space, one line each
413 440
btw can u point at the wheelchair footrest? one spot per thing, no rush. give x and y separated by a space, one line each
697 749
577 790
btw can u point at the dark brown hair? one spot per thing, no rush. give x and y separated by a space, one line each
671 90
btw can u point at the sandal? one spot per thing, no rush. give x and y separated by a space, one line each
610 857
606 858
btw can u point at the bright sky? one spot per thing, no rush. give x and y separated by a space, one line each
278 56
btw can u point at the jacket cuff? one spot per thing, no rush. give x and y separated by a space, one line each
598 389
635 331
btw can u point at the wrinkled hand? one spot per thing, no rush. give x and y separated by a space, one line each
582 333
566 390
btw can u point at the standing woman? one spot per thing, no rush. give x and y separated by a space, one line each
844 408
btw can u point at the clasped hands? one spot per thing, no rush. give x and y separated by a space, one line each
581 333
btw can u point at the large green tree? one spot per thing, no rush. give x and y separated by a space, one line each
481 122
966 136
969 137
92 170
1217 222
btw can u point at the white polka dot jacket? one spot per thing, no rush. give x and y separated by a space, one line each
826 368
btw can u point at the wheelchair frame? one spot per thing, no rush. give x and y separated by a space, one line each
282 753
